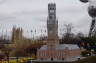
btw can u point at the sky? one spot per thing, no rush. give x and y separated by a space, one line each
32 14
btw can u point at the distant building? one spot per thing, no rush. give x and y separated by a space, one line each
53 50
17 34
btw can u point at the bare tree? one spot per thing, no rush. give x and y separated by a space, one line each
68 36
80 34
68 30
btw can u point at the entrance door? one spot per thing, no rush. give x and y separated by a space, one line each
51 59
62 58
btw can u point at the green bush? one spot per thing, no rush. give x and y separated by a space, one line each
85 53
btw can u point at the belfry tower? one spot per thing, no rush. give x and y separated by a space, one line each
52 27
53 50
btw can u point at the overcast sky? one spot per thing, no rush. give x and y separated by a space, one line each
31 14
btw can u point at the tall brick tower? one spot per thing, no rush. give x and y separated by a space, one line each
52 27
53 50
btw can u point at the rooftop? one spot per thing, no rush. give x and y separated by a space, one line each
63 46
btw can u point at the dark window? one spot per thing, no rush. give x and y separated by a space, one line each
51 8
62 58
52 59
50 17
41 58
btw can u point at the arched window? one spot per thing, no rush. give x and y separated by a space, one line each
51 59
51 8
50 17
62 58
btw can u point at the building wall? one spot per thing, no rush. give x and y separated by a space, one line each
57 54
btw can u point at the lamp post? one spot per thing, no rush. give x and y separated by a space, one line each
92 50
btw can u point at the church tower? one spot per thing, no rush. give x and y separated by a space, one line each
52 27
17 34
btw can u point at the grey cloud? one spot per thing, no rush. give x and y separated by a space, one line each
34 13
3 18
2 1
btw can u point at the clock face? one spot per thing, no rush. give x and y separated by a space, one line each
51 11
